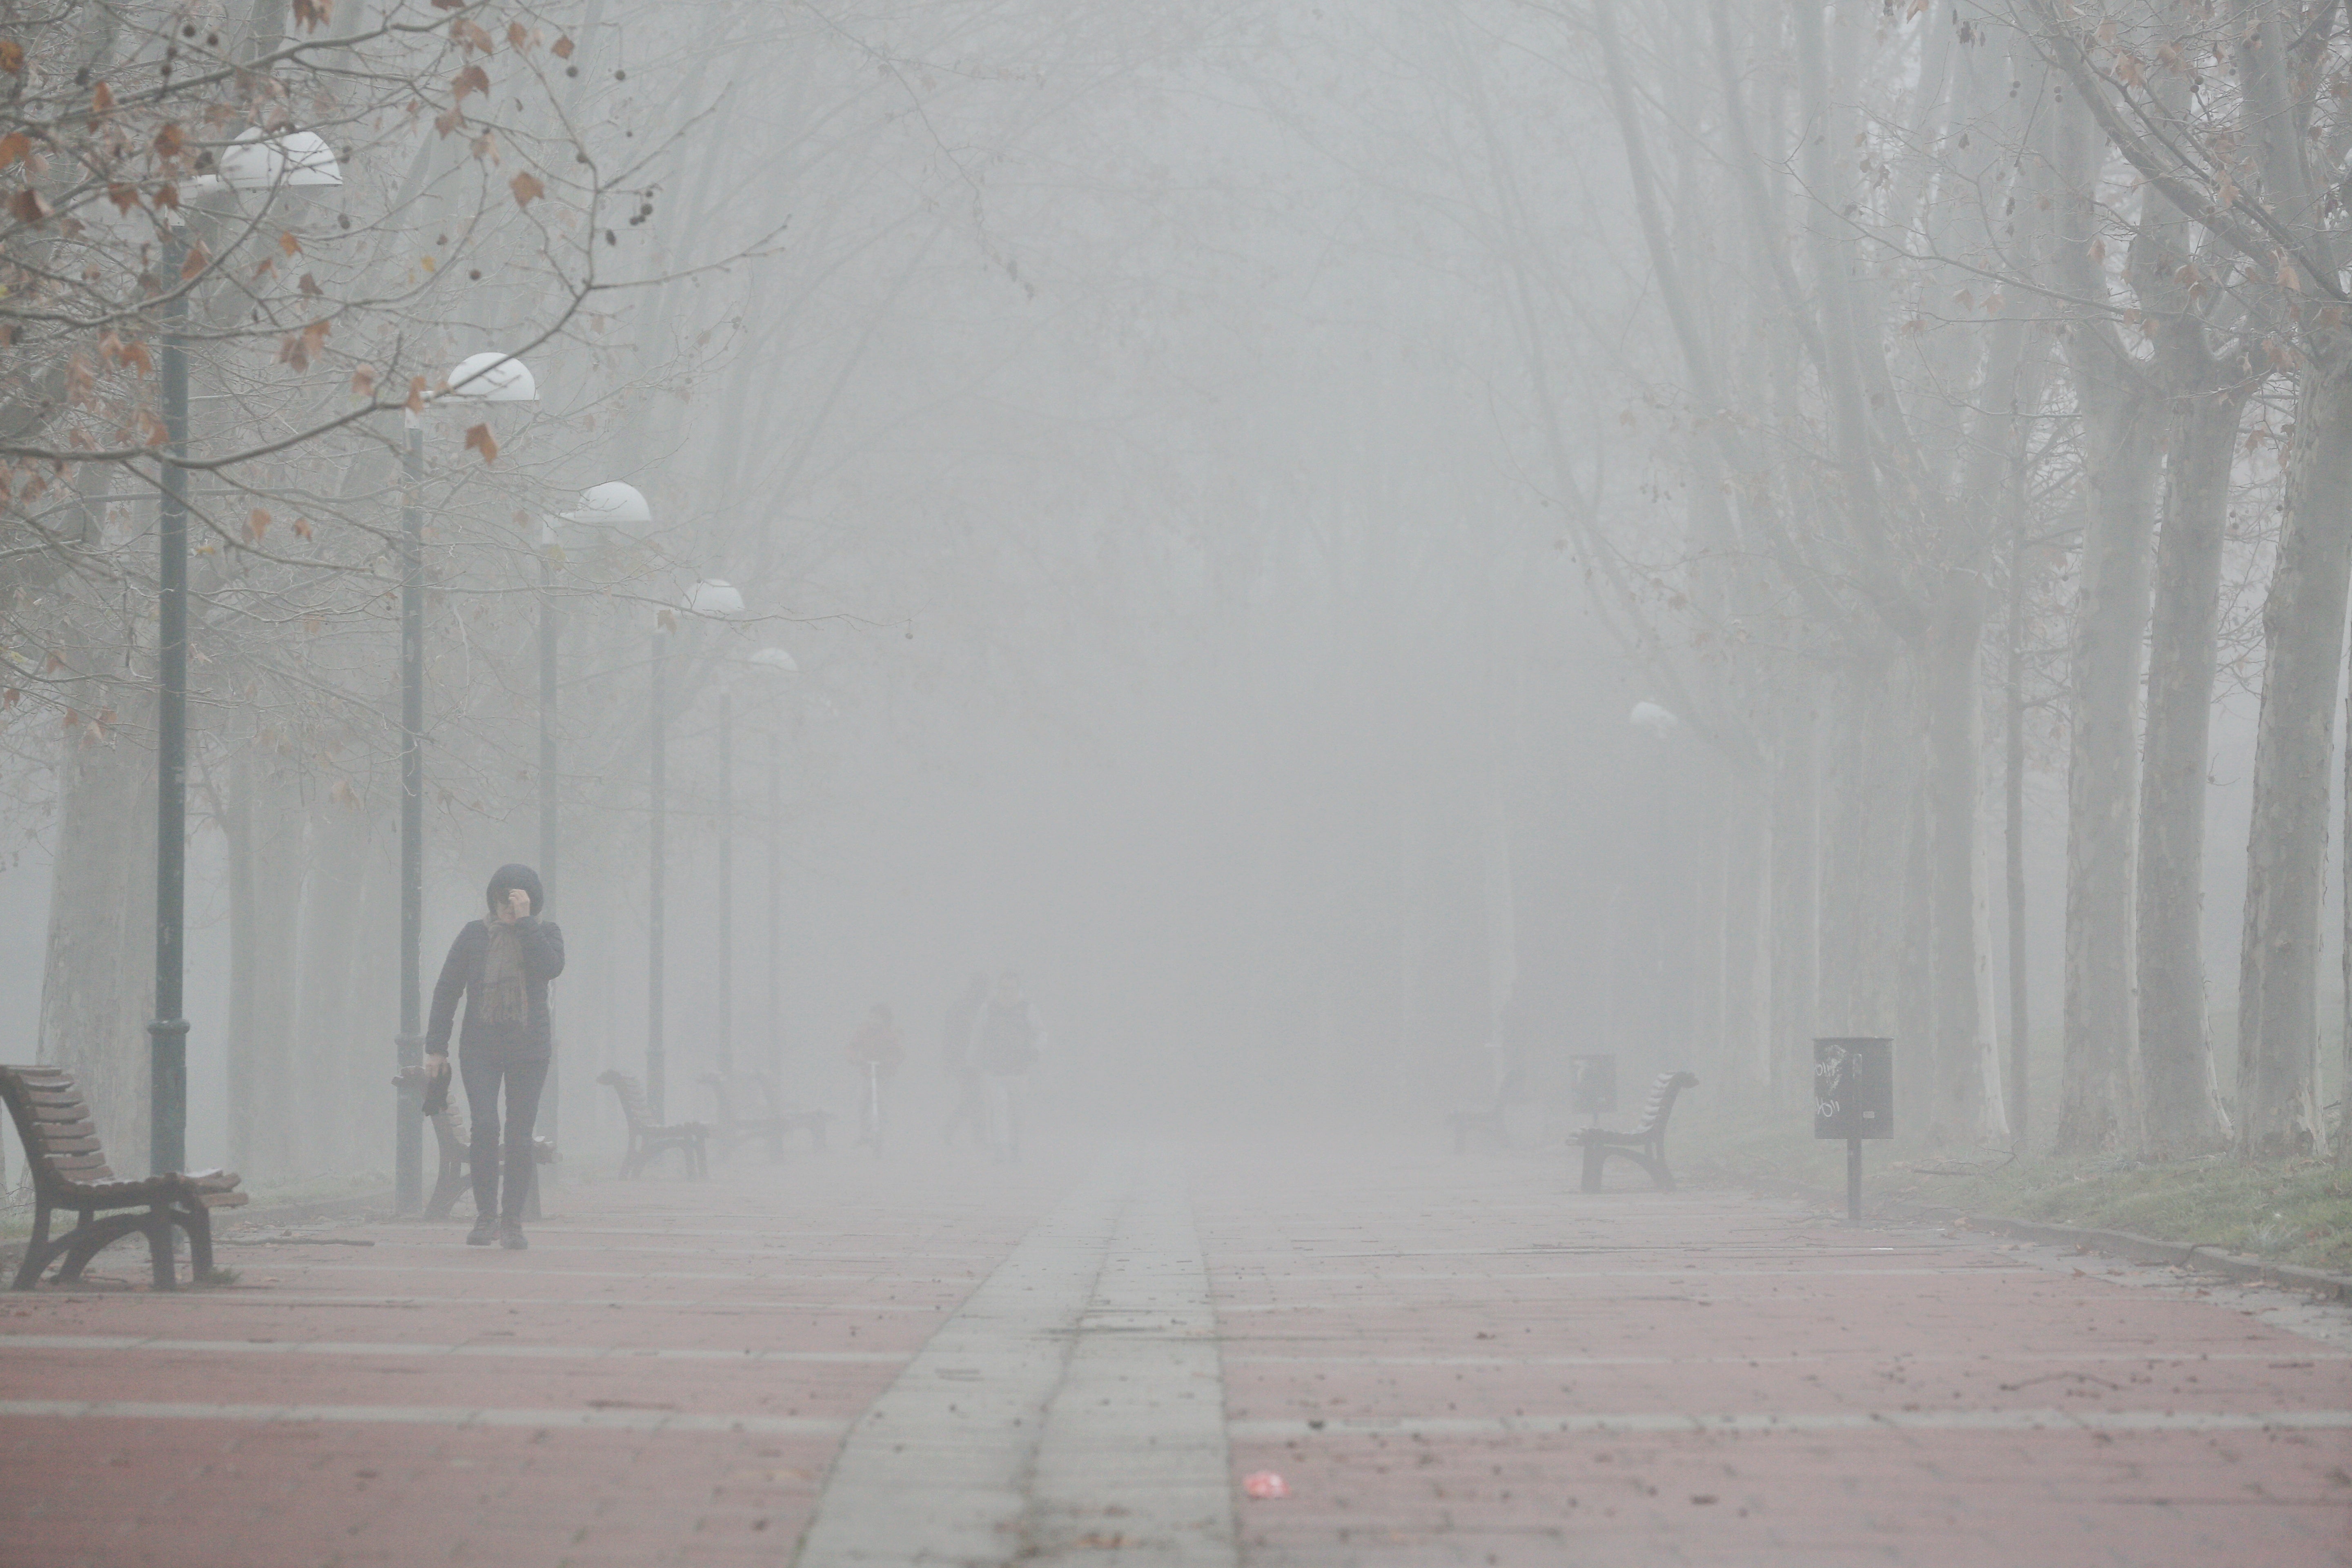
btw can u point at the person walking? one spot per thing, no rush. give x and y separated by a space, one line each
955 1057
501 966
1007 1040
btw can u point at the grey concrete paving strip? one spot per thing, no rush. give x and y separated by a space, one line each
1072 1405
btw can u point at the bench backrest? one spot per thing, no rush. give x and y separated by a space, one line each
727 1093
1660 1103
640 1114
60 1140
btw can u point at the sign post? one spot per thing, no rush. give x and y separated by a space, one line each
1592 1086
1853 1099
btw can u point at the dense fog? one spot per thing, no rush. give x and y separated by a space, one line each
1365 550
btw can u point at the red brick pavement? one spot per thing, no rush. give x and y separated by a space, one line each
1455 1364
788 1295
1500 1368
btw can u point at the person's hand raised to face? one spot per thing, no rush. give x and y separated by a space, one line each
517 906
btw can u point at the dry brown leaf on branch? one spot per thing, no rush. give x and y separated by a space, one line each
527 189
13 146
124 197
12 57
473 78
169 143
471 36
308 285
561 48
289 244
363 382
313 15
257 525
28 207
197 260
478 438
302 529
415 403
518 36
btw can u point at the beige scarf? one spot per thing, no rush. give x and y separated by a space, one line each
501 1004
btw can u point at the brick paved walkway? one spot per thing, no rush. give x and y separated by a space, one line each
1450 1360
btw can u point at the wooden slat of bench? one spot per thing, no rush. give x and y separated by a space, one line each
223 1200
55 1135
73 1165
84 1146
77 1112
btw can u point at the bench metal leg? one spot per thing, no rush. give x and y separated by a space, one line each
197 1221
1595 1155
38 1250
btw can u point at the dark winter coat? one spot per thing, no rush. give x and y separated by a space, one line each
461 976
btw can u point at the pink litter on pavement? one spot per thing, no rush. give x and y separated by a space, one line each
1264 1484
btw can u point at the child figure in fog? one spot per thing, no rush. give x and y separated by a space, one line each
501 966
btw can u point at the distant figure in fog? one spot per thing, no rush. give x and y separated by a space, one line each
1005 1044
501 966
955 1057
877 1052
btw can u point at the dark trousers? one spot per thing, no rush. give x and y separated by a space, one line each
484 1073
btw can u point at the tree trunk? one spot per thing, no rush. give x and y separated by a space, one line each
265 832
2183 1103
1794 949
2302 630
2096 1109
1959 1110
1747 1035
98 981
1861 926
335 1046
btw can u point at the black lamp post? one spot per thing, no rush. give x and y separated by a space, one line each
604 509
299 158
167 1035
781 667
711 596
489 378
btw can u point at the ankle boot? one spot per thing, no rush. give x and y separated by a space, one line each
484 1231
510 1235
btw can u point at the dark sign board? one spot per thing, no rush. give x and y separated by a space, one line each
1592 1085
1854 1088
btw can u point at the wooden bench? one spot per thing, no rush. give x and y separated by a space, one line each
731 1130
648 1138
70 1172
1646 1144
455 1178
